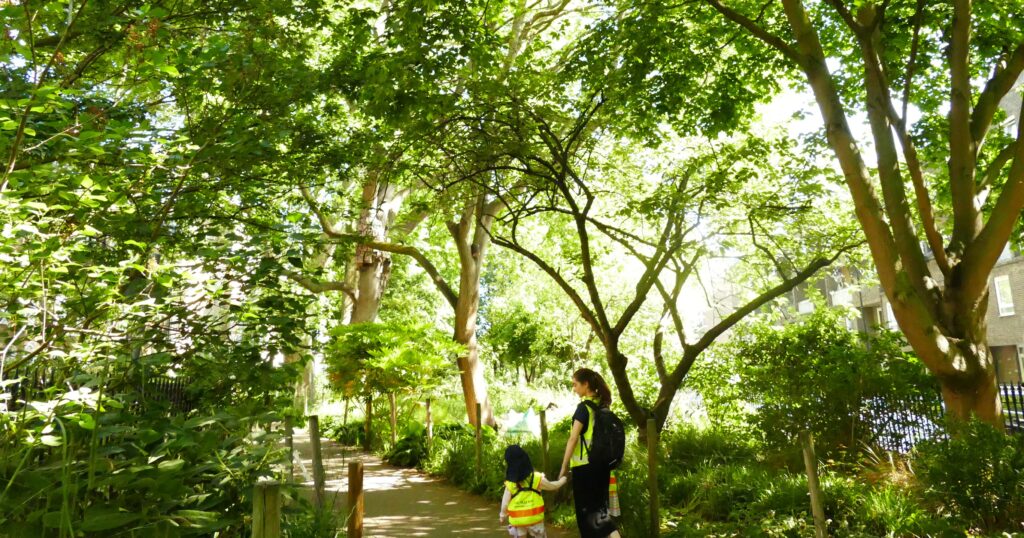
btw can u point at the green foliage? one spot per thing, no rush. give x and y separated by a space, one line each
303 520
813 374
976 475
411 448
122 472
732 494
350 434
385 357
453 455
530 343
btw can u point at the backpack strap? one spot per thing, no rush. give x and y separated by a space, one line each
529 487
594 409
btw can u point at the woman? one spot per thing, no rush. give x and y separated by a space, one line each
589 483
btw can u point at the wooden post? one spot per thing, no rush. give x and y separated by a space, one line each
318 461
811 464
394 419
289 437
366 427
266 510
355 499
430 428
652 477
544 440
479 442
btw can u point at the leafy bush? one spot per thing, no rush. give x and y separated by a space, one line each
410 450
976 475
814 375
350 434
690 447
118 473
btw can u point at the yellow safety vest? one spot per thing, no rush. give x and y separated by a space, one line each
526 507
580 455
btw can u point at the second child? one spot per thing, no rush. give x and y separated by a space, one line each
522 505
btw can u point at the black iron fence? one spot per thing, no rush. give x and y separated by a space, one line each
34 384
898 426
1013 406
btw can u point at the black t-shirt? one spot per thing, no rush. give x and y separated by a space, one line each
582 414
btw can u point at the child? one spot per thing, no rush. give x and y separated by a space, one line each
522 504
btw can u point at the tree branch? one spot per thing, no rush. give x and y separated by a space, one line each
961 144
319 286
325 223
585 311
921 194
912 61
424 262
996 88
771 40
982 253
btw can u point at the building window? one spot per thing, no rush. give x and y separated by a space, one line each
1004 295
805 307
890 318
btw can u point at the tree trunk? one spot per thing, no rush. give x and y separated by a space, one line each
303 394
476 218
373 267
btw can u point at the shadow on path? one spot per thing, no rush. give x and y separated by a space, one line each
403 502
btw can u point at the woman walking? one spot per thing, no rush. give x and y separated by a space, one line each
589 482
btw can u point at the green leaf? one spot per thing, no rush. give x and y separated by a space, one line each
170 70
171 465
52 519
86 421
106 518
50 440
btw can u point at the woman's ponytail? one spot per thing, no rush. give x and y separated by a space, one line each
596 384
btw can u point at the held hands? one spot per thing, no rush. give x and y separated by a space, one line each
561 481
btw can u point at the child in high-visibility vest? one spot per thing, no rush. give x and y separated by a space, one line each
522 505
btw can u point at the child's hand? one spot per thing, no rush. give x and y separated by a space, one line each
561 481
502 518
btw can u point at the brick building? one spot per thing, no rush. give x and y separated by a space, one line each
1005 311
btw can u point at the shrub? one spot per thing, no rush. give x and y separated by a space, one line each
690 447
411 448
977 475
811 375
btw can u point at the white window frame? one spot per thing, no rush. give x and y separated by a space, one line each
1004 297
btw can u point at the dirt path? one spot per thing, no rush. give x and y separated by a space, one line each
403 502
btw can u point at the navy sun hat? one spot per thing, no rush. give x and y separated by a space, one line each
517 464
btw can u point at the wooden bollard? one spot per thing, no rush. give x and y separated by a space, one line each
289 437
355 499
318 460
479 440
430 428
544 440
811 464
394 419
367 427
266 510
652 477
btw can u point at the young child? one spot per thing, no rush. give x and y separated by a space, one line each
522 503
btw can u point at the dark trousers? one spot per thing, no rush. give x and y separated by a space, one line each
590 495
